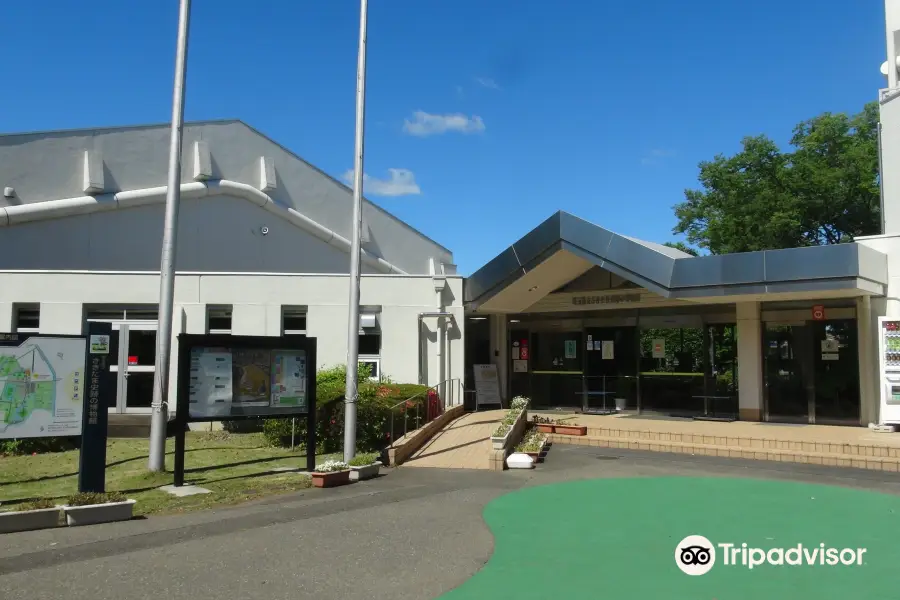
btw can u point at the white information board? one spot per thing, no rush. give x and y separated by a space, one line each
487 385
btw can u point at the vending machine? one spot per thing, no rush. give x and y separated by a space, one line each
889 363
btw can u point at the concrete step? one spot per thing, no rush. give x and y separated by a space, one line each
734 450
132 426
863 449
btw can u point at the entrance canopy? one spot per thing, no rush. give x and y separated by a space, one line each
564 247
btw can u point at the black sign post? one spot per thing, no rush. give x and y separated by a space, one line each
98 389
210 368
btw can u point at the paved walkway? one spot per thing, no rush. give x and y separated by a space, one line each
463 444
320 543
738 429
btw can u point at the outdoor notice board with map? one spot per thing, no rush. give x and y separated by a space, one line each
242 382
41 386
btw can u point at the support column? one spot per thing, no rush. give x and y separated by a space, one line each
749 358
7 315
439 284
867 347
64 318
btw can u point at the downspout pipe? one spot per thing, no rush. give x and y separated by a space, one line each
422 354
81 205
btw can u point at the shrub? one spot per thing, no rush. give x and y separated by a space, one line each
40 504
363 459
16 447
373 412
87 498
243 426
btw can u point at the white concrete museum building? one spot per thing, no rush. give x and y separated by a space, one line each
263 249
572 315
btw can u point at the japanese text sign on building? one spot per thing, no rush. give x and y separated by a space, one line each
605 299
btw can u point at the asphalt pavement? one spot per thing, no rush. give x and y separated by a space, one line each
410 534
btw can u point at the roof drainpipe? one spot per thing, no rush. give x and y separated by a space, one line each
423 354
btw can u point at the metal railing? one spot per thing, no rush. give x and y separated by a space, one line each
424 407
608 394
677 394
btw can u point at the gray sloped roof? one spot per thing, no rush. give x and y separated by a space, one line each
675 274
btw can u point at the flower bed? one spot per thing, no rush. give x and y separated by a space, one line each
560 426
543 424
568 428
500 439
41 514
91 509
331 473
364 466
533 444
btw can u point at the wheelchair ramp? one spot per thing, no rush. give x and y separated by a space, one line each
464 443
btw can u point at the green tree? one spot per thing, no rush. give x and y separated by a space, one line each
683 247
824 191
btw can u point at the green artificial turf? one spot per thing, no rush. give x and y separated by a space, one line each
616 539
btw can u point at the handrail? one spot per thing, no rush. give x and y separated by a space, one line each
432 412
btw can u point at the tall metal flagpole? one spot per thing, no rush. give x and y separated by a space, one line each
157 461
352 392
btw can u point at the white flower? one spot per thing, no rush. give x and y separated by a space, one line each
331 466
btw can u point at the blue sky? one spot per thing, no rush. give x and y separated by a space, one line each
493 114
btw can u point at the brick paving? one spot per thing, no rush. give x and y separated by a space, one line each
464 444
857 447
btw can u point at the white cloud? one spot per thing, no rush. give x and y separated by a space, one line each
487 82
424 124
656 156
400 182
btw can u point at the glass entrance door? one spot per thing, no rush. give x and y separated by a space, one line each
812 372
836 372
788 372
556 369
133 359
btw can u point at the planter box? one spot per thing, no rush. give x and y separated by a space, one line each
93 514
324 480
537 455
544 427
502 442
571 429
366 472
499 443
28 520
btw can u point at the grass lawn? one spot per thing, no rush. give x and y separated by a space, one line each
234 467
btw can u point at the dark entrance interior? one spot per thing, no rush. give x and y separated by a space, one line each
478 352
812 372
689 372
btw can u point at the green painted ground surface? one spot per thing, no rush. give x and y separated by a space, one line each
616 539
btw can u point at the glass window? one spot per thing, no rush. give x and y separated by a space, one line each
141 347
374 365
28 319
293 320
370 344
219 319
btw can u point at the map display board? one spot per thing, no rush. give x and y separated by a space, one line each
42 386
289 379
243 382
